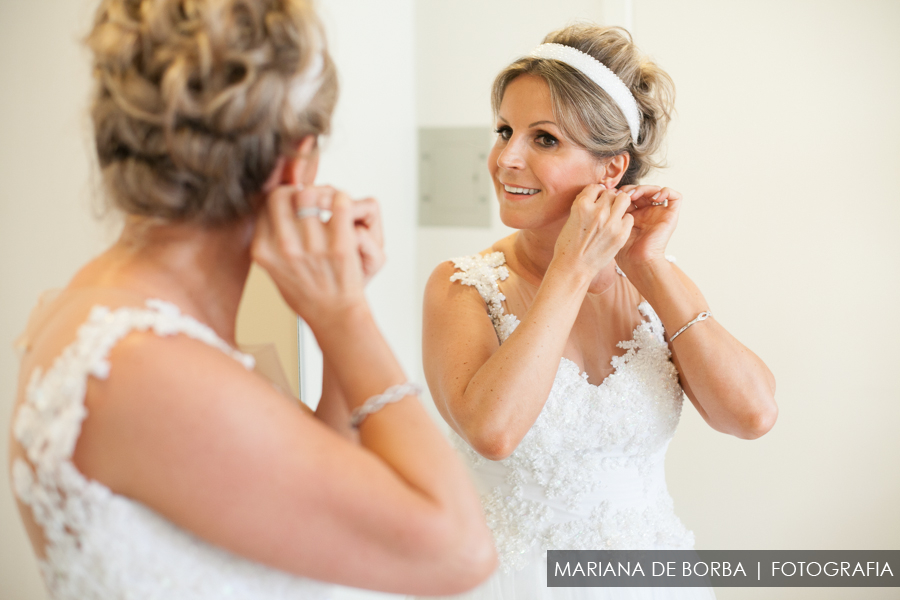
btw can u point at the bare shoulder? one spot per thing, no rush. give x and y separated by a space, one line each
172 398
187 430
457 337
443 289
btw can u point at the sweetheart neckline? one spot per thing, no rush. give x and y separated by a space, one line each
490 269
582 374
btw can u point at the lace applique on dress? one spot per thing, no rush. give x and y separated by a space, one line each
589 473
100 545
483 272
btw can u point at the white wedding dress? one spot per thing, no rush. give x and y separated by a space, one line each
589 474
100 545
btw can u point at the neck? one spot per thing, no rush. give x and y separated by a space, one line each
201 269
534 249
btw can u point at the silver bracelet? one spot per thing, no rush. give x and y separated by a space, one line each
701 317
394 393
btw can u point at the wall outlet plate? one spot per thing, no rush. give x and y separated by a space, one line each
455 188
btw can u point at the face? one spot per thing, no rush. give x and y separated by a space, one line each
537 170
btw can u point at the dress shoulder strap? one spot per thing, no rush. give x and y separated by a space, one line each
47 425
484 274
48 422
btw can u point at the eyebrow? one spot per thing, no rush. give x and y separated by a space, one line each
535 124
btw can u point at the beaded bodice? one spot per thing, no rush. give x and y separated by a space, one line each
98 544
589 474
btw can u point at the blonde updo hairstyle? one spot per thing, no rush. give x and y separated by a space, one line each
196 100
585 112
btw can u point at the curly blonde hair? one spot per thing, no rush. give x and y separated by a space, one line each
197 99
585 112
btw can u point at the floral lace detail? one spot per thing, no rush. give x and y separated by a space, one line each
560 485
100 545
483 272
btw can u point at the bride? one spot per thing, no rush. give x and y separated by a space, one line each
148 459
561 354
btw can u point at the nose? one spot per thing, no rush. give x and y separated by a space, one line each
511 156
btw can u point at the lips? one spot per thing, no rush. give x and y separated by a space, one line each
519 191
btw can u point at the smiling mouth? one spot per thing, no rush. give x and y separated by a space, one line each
520 191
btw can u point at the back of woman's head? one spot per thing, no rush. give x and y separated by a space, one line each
197 99
585 112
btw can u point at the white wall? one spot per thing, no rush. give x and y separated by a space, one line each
372 149
786 145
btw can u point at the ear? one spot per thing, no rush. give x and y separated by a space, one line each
614 170
302 168
299 169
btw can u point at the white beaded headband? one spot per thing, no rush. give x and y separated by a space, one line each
600 74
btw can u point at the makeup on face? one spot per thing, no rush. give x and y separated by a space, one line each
537 171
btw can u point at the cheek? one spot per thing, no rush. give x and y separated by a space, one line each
568 180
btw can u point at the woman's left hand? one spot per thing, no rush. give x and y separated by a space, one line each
655 211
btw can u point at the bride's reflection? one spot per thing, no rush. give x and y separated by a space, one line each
559 356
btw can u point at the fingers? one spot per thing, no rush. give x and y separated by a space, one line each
369 235
289 228
278 226
643 196
370 251
665 197
599 205
340 227
589 196
621 202
597 200
367 213
639 192
311 229
627 226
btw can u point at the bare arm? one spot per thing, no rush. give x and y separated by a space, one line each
216 450
731 387
332 408
491 394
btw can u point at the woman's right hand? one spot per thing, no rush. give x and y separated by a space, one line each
317 266
597 228
369 236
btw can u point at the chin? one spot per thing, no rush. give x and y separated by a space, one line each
521 217
515 219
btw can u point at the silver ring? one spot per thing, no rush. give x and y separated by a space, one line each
664 203
323 214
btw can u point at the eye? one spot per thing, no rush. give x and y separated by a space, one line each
504 132
546 140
